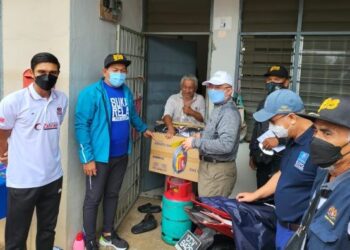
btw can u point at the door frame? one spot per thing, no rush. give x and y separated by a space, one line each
135 51
210 51
208 68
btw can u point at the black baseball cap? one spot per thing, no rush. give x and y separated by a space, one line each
277 70
334 110
116 58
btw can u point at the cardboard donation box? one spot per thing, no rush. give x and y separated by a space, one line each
167 157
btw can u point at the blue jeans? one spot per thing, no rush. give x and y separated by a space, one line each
282 236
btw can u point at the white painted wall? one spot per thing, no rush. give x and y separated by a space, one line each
91 40
224 58
30 27
73 31
132 14
225 39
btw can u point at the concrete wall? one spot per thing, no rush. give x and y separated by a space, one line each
132 14
30 27
73 31
177 16
224 36
225 19
91 40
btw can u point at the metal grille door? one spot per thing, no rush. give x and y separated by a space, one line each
132 44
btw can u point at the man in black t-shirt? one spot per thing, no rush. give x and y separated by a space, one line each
276 77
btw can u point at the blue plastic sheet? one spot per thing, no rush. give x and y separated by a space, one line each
254 224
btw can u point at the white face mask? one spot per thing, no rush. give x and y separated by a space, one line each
279 131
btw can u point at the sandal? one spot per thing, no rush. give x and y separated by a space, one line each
147 224
149 208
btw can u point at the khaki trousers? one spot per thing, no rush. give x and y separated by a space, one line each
216 179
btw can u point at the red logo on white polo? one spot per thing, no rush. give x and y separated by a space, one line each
46 126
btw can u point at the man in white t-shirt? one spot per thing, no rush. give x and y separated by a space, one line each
30 122
186 106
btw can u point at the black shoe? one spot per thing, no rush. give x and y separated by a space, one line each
113 241
147 224
149 208
91 245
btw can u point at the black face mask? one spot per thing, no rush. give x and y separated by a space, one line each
323 153
46 82
272 86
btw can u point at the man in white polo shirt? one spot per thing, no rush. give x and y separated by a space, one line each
30 121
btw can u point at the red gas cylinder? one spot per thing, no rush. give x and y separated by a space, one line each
175 221
178 189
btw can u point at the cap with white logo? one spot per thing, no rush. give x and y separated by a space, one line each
282 101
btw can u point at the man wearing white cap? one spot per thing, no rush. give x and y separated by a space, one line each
218 143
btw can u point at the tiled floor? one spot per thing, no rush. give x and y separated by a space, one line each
146 241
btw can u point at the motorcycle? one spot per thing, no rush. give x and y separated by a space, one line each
224 223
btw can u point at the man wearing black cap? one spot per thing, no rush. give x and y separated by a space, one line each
104 114
276 77
327 221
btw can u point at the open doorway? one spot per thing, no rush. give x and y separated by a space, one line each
168 58
178 43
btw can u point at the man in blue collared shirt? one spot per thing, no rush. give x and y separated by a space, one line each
292 184
330 150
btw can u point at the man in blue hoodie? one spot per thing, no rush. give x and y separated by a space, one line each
104 114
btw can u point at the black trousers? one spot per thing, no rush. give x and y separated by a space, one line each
265 171
20 207
106 184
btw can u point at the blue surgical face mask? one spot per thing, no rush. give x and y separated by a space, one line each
216 96
117 79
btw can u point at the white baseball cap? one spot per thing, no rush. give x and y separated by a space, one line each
219 78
